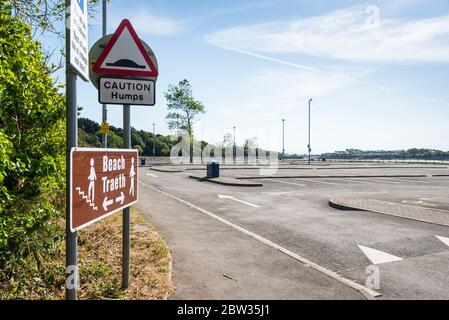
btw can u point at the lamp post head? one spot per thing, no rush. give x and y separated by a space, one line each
310 100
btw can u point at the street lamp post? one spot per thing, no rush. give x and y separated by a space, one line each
283 139
308 147
235 148
154 142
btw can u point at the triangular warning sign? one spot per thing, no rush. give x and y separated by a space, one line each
125 55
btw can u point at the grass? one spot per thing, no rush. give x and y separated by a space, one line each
99 258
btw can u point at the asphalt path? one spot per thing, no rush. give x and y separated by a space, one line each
293 213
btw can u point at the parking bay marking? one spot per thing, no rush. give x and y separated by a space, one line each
285 182
278 193
151 175
389 180
359 181
415 181
238 200
320 181
365 291
436 199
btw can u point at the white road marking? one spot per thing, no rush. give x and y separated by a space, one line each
286 182
151 175
238 200
416 181
367 292
278 193
389 180
358 180
419 202
320 181
436 199
378 257
444 240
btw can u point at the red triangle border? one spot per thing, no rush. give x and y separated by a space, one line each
139 73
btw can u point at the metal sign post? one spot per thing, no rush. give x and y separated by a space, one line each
105 107
72 137
76 34
133 67
126 243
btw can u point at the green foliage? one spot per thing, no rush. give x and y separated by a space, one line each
43 15
32 149
89 136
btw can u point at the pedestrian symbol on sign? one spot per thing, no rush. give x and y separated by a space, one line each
92 177
132 174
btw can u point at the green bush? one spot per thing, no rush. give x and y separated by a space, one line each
32 149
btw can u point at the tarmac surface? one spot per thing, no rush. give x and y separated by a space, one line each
284 241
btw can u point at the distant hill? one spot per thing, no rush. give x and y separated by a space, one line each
415 153
89 135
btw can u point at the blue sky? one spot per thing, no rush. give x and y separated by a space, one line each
378 71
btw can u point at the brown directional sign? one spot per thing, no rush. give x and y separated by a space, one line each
103 181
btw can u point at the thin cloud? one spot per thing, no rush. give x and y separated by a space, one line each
347 35
240 8
146 22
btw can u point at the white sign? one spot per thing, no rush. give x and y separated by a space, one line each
125 55
79 54
127 91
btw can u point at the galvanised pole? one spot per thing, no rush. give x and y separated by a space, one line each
127 211
71 142
104 137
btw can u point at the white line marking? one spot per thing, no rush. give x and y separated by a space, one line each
320 181
389 180
278 193
444 240
419 202
285 182
151 175
357 181
378 257
367 292
436 199
415 181
238 200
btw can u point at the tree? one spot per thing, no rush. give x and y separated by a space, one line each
228 141
184 110
251 143
43 15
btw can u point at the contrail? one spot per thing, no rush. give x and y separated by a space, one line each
303 67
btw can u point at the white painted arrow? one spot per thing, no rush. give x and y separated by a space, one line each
121 198
378 257
107 203
444 240
238 200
